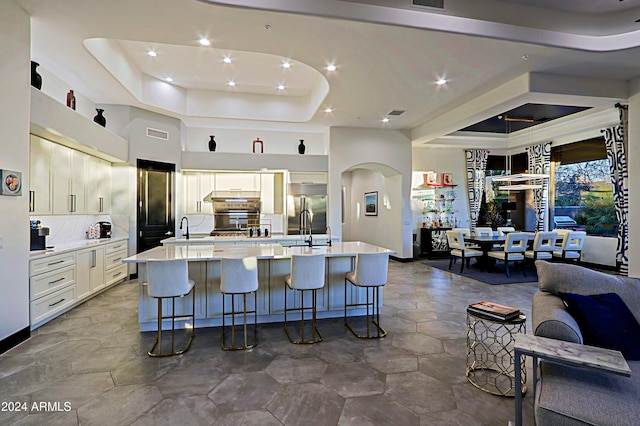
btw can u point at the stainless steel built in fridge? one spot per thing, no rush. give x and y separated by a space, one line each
306 209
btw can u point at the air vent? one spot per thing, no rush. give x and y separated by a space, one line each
437 4
396 112
158 134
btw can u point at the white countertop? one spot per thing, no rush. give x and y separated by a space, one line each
237 238
261 251
72 246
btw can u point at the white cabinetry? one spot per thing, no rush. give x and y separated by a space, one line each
115 270
98 185
306 177
89 271
237 182
197 186
69 189
267 192
40 176
52 282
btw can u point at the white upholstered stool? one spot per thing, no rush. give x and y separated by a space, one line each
307 274
239 276
170 279
370 273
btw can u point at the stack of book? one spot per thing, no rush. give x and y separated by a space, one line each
494 311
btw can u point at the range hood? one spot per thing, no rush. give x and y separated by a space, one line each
229 194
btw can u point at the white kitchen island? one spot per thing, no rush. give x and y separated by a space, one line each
274 263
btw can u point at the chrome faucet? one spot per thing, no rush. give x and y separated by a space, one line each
186 235
328 231
305 225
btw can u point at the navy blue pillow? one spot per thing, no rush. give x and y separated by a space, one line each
605 321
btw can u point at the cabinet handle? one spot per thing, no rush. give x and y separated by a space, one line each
115 247
55 263
56 281
199 206
115 275
75 209
59 301
93 258
116 260
101 204
70 203
32 201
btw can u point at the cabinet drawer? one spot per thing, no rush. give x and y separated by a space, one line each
111 260
44 284
51 263
114 247
114 275
48 306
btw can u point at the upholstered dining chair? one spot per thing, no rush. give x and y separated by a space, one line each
482 231
544 243
502 230
514 248
571 248
457 248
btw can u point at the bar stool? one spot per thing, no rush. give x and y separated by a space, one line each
170 279
370 273
239 276
307 274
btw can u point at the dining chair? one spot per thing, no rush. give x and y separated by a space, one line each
514 248
483 231
503 230
457 248
466 232
571 248
544 243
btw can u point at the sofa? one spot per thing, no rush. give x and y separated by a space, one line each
568 395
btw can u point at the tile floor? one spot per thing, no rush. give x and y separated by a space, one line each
91 366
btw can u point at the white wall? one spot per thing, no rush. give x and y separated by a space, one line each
14 121
633 158
389 153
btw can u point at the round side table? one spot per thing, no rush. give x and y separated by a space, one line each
490 354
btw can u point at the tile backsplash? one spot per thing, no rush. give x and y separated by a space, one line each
69 228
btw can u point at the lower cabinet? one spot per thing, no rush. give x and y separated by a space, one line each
60 282
433 242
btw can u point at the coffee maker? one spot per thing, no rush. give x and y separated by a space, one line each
105 229
38 236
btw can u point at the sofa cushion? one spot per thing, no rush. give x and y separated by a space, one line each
551 319
606 322
564 278
578 396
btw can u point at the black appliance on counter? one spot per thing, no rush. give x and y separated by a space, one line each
38 236
105 229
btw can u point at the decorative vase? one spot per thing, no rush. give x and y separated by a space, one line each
99 118
301 147
71 100
255 142
36 79
212 143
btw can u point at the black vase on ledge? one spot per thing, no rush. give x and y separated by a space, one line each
301 147
99 118
36 78
212 143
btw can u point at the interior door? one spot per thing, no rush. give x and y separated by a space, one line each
155 208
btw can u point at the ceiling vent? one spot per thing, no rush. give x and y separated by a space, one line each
158 134
396 112
436 4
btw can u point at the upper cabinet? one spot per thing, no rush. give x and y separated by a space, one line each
197 186
307 177
237 182
98 186
40 202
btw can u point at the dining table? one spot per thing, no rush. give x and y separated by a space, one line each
487 244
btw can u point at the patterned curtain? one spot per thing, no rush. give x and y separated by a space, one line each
476 165
615 139
540 162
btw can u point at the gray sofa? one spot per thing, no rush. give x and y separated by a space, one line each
575 396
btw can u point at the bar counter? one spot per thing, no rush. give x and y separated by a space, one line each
274 263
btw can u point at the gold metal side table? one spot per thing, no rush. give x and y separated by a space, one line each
490 353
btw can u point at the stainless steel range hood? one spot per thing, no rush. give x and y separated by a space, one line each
228 194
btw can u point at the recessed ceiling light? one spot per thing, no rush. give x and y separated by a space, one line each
327 110
169 79
280 86
441 81
385 120
226 60
152 53
204 42
286 65
525 57
331 67
231 83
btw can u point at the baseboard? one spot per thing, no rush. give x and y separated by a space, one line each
401 259
14 340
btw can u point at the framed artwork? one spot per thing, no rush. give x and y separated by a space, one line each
447 178
371 203
11 183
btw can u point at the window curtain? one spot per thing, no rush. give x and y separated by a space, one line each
476 166
540 162
615 139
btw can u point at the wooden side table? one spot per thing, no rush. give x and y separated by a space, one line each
563 352
490 362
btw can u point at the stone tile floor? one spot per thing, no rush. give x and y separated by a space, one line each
91 366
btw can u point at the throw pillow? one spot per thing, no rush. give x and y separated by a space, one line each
605 321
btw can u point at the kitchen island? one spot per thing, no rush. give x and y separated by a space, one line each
274 263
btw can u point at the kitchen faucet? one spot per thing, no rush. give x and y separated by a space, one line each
187 233
306 214
328 231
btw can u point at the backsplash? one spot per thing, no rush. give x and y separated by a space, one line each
69 228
